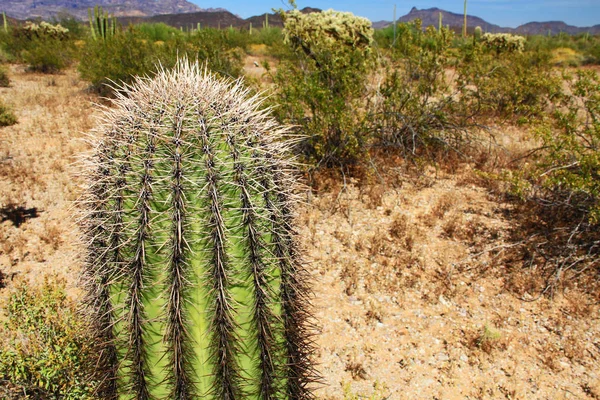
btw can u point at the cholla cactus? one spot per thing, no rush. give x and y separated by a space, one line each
45 29
330 29
193 267
503 42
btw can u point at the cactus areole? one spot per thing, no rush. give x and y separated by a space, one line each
193 270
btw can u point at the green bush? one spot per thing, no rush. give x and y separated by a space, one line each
509 85
47 54
571 163
4 79
414 109
7 117
118 59
45 47
121 57
322 87
158 31
46 352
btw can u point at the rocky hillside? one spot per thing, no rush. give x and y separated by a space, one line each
23 9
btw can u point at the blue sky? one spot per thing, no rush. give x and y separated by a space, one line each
511 13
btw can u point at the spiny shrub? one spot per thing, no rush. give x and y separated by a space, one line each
46 349
193 267
321 88
503 42
45 30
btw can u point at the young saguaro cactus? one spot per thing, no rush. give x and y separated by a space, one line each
193 268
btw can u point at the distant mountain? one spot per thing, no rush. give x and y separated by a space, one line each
23 9
430 16
554 27
214 19
182 13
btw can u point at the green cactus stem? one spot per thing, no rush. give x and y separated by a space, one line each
193 269
101 25
465 21
5 22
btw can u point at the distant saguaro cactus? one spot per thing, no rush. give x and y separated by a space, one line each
193 268
101 25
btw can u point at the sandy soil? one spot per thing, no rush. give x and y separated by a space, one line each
409 296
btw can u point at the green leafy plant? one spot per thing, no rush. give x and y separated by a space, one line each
46 350
321 88
7 117
572 163
414 110
4 79
44 47
195 282
513 85
119 58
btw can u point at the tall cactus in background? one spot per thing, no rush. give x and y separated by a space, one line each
465 21
101 25
5 22
193 268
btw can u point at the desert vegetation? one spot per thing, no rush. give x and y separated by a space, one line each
448 218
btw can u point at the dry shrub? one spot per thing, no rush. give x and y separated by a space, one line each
406 233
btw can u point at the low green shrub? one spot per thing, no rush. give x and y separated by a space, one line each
571 162
44 47
158 31
7 117
48 55
414 109
118 59
46 351
4 79
121 57
517 85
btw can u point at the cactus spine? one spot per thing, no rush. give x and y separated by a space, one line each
193 267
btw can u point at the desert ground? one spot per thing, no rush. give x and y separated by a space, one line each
412 298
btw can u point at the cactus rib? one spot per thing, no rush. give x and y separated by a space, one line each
195 279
